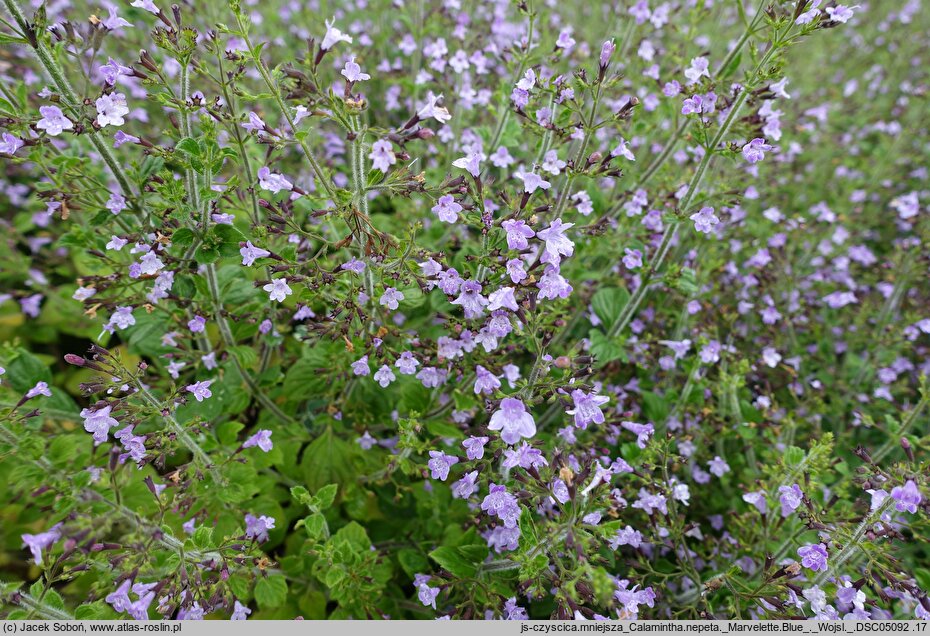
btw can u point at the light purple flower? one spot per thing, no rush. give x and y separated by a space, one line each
261 439
382 155
704 220
474 447
790 498
587 408
517 233
200 390
333 36
907 497
111 109
41 388
814 556
257 527
502 504
278 289
250 253
53 121
353 72
755 150
447 209
513 420
391 298
532 181
42 541
471 163
440 463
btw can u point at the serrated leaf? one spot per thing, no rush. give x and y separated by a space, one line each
271 592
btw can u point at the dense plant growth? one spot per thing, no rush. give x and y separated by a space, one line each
464 310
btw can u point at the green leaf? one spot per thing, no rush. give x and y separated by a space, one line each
326 495
608 303
189 146
271 592
412 561
604 349
328 460
794 456
462 561
182 238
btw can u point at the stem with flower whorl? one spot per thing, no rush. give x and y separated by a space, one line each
629 310
72 103
853 544
230 342
321 177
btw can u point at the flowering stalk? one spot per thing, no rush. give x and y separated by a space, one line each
59 78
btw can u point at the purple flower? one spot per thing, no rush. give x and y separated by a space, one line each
532 181
503 298
116 203
704 220
553 285
466 486
111 109
197 324
633 259
814 556
513 421
41 388
790 498
250 253
693 104
240 612
262 439
333 36
257 527
98 422
10 144
384 376
272 181
755 150
390 298
431 109
525 457
425 593
474 447
607 49
643 432
53 121
503 505
278 289
360 366
406 363
470 299
907 497
485 381
440 463
382 155
697 70
42 541
447 209
626 536
587 408
756 499
353 72
255 123
200 390
471 163
718 467
517 234
119 598
557 244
